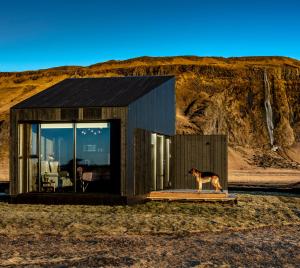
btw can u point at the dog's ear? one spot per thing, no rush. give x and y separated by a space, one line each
191 170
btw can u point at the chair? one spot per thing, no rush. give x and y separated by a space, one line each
49 173
54 167
64 179
45 168
85 178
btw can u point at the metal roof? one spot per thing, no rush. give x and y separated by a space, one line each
94 92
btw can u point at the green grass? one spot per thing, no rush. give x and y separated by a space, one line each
151 218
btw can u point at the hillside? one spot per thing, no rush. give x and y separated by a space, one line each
214 96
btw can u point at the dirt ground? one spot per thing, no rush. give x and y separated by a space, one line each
260 231
249 167
261 247
264 177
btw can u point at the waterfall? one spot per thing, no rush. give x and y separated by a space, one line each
268 107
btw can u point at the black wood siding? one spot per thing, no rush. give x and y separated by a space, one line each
153 112
204 152
142 161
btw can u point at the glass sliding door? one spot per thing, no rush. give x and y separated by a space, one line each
20 158
93 156
153 161
32 160
167 163
160 162
56 157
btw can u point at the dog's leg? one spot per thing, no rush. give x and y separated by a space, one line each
216 184
219 185
199 185
213 182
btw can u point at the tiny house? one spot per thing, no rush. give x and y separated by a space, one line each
106 135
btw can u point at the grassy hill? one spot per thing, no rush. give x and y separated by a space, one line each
214 96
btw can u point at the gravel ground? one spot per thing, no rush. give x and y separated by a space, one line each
258 247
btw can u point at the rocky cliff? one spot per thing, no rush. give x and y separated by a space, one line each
234 96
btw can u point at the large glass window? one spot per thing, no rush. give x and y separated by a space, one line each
93 155
56 157
65 157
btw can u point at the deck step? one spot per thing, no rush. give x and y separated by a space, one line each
186 195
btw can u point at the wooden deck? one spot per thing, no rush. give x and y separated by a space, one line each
191 195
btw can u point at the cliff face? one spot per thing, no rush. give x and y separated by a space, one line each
232 101
214 96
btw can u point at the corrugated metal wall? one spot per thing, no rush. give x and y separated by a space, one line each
204 152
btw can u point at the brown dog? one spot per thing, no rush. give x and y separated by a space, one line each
205 177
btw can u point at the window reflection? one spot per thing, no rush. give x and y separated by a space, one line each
92 155
49 165
33 139
56 145
33 181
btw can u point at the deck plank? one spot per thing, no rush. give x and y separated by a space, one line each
186 194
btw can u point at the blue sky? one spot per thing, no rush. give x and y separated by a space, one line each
47 33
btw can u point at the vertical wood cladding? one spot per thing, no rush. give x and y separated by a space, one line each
69 114
13 153
142 161
204 152
153 112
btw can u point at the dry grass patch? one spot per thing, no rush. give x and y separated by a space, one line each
79 222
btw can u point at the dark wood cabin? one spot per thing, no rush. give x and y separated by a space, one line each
106 135
78 135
